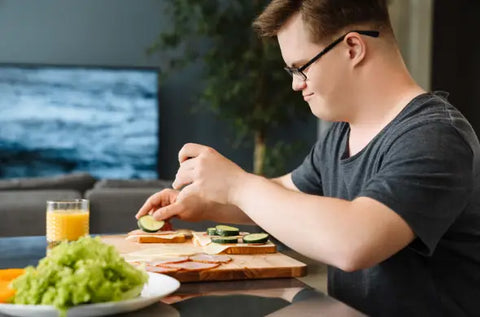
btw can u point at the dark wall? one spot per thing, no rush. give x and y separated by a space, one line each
117 33
456 52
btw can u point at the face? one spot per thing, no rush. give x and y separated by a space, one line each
324 89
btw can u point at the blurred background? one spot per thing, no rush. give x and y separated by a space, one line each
78 41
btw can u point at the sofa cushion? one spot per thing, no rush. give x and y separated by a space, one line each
76 181
23 212
133 183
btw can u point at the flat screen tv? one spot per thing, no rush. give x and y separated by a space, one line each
63 119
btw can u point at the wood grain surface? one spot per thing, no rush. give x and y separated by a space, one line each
243 266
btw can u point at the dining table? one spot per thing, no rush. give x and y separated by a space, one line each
252 297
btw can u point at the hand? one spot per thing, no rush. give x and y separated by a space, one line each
207 174
165 204
158 200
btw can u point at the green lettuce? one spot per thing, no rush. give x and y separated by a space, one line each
80 272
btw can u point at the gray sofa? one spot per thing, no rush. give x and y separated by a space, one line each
113 203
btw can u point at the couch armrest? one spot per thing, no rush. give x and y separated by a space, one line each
23 212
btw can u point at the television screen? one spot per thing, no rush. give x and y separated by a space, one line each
57 120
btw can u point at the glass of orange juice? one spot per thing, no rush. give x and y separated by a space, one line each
67 220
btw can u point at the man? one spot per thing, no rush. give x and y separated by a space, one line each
389 198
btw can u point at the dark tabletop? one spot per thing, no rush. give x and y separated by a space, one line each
273 297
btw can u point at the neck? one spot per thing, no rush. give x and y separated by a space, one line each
379 102
385 95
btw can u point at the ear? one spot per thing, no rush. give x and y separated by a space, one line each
357 48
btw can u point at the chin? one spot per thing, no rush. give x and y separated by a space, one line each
321 111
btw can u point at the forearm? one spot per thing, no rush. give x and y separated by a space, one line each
329 230
232 214
224 213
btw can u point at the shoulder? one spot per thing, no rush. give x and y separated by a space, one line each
431 121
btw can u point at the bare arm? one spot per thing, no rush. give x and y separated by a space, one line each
228 213
233 214
349 235
285 181
164 204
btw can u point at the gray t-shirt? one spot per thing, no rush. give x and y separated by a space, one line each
424 165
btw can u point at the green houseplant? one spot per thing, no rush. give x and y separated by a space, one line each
245 83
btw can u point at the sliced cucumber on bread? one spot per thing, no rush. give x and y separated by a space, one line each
212 231
226 231
256 238
220 239
148 224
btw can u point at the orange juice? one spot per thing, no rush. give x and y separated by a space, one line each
67 220
66 225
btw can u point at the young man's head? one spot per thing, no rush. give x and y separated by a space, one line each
329 79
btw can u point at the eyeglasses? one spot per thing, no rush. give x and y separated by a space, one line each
295 71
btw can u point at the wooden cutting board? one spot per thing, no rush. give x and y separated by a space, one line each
242 266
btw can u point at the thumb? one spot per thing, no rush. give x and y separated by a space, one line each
168 211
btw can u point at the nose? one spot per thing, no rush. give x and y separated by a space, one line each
298 84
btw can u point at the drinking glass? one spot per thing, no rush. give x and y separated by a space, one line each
67 220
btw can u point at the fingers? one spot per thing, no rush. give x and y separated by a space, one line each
190 150
162 198
168 211
148 205
184 174
186 191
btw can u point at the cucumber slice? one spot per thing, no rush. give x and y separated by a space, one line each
149 224
256 238
226 231
212 231
225 239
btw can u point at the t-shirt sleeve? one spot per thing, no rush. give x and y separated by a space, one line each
307 177
426 177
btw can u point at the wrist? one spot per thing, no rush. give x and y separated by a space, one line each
239 187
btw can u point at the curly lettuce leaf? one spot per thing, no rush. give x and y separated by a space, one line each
80 272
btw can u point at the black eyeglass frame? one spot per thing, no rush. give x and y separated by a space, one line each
298 71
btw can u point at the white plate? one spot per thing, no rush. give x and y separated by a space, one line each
158 286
